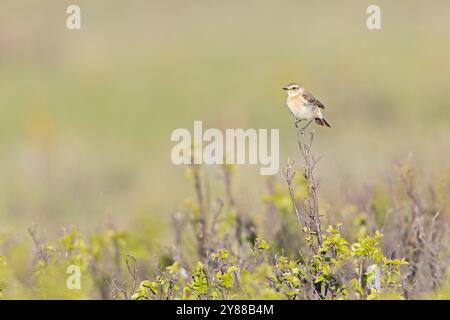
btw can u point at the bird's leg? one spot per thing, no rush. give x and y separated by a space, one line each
302 130
297 122
307 124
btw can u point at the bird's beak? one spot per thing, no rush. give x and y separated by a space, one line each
285 88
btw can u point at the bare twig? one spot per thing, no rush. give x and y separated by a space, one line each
289 174
201 232
216 216
132 270
310 162
40 251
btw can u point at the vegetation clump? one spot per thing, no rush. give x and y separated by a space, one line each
385 246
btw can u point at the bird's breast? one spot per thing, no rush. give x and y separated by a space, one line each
300 109
295 99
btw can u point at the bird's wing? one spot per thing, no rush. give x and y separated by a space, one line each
310 98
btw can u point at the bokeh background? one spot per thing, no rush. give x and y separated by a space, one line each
86 116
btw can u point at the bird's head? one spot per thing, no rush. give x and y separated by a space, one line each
294 89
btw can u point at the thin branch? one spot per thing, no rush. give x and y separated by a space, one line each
309 165
216 216
289 174
201 233
132 270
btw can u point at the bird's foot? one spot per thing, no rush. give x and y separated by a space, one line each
302 131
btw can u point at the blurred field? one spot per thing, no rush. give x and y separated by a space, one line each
86 117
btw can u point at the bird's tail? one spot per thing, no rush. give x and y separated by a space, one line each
322 122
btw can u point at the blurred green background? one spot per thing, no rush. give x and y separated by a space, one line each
86 116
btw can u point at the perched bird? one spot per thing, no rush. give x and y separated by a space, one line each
304 106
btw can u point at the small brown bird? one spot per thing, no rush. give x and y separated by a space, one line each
304 106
